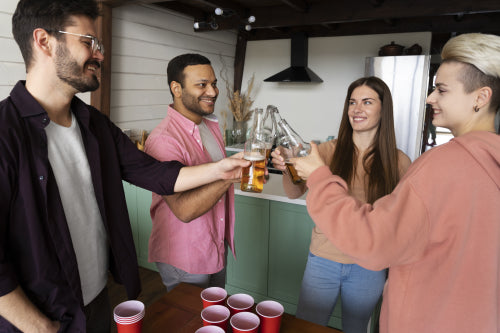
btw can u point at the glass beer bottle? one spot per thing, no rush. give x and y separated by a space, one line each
252 179
291 145
263 129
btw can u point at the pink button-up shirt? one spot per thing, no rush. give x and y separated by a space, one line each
196 247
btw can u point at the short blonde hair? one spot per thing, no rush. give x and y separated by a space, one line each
480 53
479 50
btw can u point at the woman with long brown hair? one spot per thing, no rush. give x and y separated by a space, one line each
366 157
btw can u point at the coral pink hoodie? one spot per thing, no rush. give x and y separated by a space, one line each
438 232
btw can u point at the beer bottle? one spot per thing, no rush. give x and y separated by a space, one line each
252 179
291 145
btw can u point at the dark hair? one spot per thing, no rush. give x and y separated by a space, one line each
51 15
381 160
175 68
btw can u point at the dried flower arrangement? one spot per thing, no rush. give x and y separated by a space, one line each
240 103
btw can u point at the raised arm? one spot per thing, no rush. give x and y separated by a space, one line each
194 176
191 204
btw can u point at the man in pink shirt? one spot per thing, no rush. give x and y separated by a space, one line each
191 229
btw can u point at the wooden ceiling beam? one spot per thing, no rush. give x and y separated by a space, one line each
298 5
182 8
213 4
486 23
341 11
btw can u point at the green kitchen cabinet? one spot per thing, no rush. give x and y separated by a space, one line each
138 204
248 273
290 236
272 243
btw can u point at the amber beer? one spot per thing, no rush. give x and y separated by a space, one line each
293 173
252 179
268 153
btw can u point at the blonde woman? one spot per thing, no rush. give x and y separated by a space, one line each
439 230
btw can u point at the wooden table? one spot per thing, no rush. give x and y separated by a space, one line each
179 312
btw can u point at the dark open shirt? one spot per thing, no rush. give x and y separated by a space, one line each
36 251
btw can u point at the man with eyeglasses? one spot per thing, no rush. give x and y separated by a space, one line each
63 217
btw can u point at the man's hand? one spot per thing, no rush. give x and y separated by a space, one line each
230 168
308 164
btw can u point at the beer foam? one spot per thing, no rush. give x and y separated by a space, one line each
254 157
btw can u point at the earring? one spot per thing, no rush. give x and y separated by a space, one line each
475 108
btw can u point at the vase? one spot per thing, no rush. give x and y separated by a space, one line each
239 132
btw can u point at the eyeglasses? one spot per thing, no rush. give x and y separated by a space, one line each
96 44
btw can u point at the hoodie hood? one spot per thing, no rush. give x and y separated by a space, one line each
485 148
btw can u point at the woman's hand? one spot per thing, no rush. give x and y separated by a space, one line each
278 160
308 164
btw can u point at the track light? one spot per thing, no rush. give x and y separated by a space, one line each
224 12
212 24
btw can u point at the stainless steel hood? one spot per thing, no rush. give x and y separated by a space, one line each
298 71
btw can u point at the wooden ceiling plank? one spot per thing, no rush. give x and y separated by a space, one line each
298 5
341 11
486 23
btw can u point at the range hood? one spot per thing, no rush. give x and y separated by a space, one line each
298 71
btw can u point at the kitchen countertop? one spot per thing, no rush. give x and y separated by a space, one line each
273 190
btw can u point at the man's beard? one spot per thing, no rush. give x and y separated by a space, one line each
68 70
192 103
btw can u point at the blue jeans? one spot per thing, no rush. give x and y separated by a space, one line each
324 280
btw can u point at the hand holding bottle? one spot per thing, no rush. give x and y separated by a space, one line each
309 163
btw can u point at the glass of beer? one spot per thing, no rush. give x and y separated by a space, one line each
252 179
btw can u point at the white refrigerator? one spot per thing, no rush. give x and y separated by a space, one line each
408 79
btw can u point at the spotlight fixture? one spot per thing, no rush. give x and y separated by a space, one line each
199 25
204 25
224 12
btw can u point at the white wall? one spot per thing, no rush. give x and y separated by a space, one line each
144 40
11 61
314 110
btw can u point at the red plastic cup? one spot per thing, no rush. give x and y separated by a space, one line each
213 296
239 303
216 315
210 329
270 313
245 322
129 316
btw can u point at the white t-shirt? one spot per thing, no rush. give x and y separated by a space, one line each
69 163
209 142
